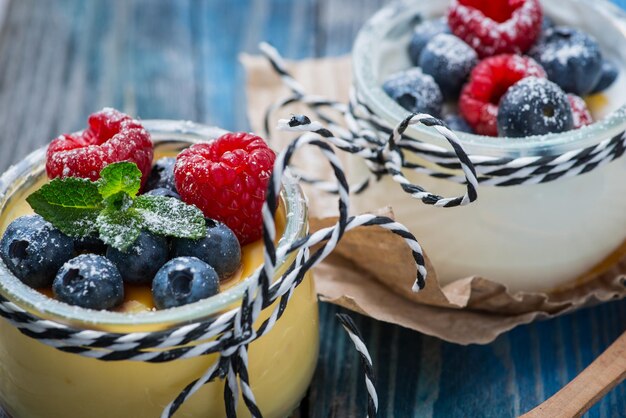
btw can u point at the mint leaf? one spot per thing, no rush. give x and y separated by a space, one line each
108 207
70 204
118 201
122 177
168 216
119 229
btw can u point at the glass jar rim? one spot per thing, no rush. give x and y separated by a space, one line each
401 13
165 133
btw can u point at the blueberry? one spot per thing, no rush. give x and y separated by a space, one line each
90 281
415 91
34 250
162 175
423 33
534 106
571 58
162 191
449 61
608 77
183 280
142 260
90 245
457 123
220 248
546 24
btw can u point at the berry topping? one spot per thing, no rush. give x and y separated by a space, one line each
220 249
581 114
227 179
571 58
162 175
449 61
140 262
496 26
608 77
34 250
90 281
457 123
423 33
534 106
184 280
489 80
415 91
163 192
110 209
111 137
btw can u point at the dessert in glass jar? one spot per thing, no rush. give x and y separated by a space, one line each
542 84
165 277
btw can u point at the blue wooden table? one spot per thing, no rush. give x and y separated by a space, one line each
62 60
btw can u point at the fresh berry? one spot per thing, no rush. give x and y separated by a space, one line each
162 175
184 280
546 24
415 91
571 58
457 123
90 281
608 77
220 248
111 137
423 33
580 113
91 245
34 250
163 192
142 260
534 106
489 80
227 179
494 27
449 61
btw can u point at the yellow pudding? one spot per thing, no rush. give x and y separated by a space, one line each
39 381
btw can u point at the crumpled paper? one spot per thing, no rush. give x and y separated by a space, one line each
372 270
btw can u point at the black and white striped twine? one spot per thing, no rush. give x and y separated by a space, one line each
230 333
362 132
383 148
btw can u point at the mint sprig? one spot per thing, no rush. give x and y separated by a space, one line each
118 178
71 204
111 209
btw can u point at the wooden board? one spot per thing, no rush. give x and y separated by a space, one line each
62 60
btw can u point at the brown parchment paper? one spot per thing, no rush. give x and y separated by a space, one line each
372 271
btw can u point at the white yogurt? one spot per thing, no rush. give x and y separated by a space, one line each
534 237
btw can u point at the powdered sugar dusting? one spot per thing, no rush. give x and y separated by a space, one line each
415 91
458 55
489 37
563 45
534 106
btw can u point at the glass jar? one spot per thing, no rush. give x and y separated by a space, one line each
39 381
530 237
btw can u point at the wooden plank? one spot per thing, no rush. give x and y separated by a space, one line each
61 60
606 372
4 5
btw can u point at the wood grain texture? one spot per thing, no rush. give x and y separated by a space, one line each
607 371
61 60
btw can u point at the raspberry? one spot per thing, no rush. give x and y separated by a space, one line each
111 137
494 27
489 80
580 112
227 179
